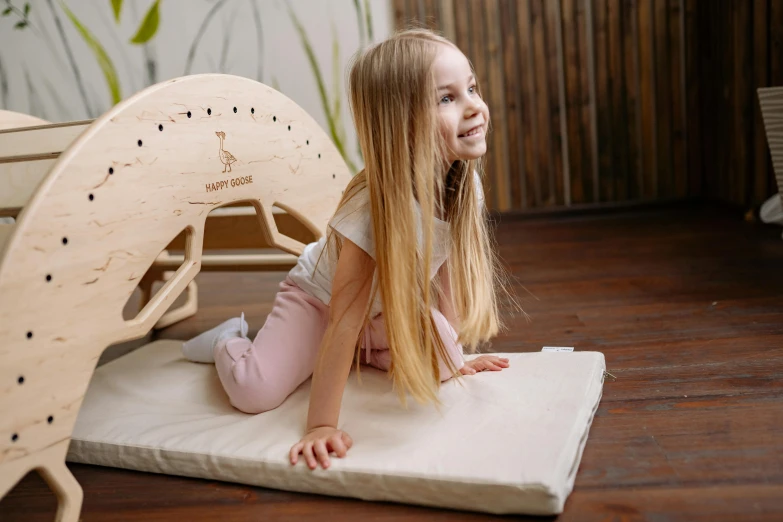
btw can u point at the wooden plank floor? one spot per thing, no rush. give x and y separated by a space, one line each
686 305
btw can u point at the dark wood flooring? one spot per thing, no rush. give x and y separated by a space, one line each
685 303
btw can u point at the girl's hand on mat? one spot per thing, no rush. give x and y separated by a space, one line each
484 362
316 445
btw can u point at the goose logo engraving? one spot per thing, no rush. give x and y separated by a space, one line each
226 158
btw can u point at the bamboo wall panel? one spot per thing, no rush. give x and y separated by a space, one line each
737 50
596 102
760 78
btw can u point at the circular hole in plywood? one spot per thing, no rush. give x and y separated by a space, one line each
235 110
189 114
252 110
48 277
139 143
65 241
14 437
20 380
29 335
91 197
50 419
274 118
209 111
160 127
111 170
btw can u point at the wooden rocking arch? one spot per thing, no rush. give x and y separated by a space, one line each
132 183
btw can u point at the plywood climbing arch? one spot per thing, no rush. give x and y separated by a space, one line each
146 172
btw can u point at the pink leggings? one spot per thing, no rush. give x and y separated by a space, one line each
258 376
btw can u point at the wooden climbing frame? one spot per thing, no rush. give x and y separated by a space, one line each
102 208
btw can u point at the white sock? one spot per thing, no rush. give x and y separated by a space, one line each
201 348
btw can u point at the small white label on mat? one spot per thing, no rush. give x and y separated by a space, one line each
557 349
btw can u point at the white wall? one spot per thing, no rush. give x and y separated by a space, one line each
37 78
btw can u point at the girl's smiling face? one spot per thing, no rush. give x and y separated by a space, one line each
462 114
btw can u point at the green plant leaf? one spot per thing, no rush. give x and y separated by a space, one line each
105 63
149 26
7 11
116 6
26 9
20 25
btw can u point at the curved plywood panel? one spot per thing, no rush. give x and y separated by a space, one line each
137 177
17 181
13 120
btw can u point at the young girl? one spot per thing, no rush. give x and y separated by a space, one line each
363 290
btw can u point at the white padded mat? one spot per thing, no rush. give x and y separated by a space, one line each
504 442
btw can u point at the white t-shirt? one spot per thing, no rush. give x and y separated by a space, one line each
354 222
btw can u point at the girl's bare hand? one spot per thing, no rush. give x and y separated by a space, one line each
316 445
484 362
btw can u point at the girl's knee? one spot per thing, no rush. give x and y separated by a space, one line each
249 388
257 399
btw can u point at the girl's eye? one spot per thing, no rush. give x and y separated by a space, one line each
445 99
472 89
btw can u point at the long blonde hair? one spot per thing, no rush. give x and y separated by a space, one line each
393 101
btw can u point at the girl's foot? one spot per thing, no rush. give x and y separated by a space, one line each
201 348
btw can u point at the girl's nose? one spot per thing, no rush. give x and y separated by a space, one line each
473 106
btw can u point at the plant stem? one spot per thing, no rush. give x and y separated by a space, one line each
336 109
121 46
260 41
227 33
24 18
71 61
63 113
308 48
359 17
368 14
152 66
52 48
3 86
197 39
149 60
36 107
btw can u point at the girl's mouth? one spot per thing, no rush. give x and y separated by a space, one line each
478 130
